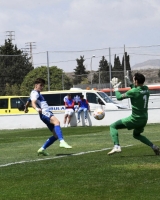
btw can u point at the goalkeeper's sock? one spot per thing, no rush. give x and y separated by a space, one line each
50 141
58 132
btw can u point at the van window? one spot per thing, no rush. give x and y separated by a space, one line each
3 103
16 103
92 97
52 99
105 97
57 99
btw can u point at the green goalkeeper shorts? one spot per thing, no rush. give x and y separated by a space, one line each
131 123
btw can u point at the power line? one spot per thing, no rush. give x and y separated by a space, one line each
106 48
143 54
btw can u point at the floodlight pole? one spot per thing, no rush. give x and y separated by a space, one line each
110 77
48 71
91 68
125 82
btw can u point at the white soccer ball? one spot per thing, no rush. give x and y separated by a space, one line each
99 114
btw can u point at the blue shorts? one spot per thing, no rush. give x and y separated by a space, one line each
45 117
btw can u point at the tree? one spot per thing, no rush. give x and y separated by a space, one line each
12 90
80 71
117 70
103 72
14 66
56 78
159 73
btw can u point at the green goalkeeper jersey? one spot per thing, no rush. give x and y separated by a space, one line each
139 97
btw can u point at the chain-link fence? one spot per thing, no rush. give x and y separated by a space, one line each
66 60
102 79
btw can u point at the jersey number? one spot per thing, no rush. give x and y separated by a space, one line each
145 100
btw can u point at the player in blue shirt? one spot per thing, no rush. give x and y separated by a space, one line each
40 105
83 106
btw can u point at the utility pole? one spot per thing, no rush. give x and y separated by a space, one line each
110 75
10 35
48 71
31 45
125 83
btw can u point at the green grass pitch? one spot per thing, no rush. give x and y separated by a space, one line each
84 172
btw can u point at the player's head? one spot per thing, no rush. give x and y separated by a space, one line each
81 96
39 84
69 96
138 79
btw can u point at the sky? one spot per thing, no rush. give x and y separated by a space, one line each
67 29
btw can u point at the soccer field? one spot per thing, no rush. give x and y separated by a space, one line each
84 172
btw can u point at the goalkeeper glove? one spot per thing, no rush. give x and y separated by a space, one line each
127 79
115 83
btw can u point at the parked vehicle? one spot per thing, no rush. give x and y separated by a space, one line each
13 105
55 99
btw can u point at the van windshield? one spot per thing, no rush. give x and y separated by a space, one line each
105 97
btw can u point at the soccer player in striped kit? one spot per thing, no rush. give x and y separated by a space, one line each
40 105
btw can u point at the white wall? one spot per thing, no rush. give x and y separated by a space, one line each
33 121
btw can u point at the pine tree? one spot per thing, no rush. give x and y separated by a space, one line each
80 71
102 73
117 70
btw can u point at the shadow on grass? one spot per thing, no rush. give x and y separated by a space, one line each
138 156
64 154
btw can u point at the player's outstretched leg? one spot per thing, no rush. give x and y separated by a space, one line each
156 150
42 150
116 149
59 134
64 144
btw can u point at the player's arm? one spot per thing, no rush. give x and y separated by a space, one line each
88 106
116 86
34 105
69 106
72 105
27 105
128 94
120 96
66 105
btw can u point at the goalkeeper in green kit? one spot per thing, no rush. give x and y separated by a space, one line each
139 96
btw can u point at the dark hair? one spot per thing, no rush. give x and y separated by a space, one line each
68 94
140 78
81 96
39 80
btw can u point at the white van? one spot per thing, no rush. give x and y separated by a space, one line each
95 98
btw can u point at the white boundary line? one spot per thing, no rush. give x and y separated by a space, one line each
56 157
